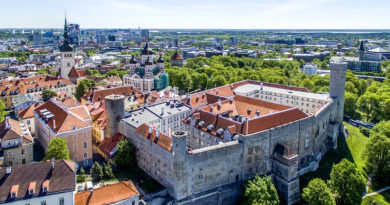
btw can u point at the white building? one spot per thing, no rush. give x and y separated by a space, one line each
310 68
43 183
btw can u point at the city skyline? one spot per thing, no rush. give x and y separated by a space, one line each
246 14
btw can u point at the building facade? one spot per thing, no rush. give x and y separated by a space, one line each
236 135
73 124
16 143
146 75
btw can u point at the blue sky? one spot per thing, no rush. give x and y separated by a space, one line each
234 14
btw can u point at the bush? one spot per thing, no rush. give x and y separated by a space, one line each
81 177
96 172
108 174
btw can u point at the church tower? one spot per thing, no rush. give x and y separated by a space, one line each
67 54
362 49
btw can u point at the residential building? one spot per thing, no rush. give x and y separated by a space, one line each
310 68
16 143
33 85
120 193
27 116
43 183
73 124
165 117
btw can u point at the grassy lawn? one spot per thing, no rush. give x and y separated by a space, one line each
352 149
382 198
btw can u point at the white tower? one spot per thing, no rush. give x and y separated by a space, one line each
67 55
337 89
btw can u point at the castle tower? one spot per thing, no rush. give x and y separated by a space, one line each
67 54
177 59
179 152
115 110
337 88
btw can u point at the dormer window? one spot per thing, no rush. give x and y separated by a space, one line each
14 191
31 188
45 186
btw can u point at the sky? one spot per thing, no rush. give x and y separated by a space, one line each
200 14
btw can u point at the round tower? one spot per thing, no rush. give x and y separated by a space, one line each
115 110
337 88
180 161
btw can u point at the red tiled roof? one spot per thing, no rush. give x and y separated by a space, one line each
108 144
163 141
108 194
74 73
62 120
177 56
11 129
28 112
101 94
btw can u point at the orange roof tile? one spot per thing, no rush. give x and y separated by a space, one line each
107 194
163 141
28 112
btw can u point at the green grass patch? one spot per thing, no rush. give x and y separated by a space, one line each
379 199
352 149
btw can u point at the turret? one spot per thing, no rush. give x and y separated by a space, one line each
132 65
179 152
362 49
337 89
115 110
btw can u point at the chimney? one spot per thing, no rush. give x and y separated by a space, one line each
219 103
8 170
261 86
162 111
54 124
150 130
157 134
52 163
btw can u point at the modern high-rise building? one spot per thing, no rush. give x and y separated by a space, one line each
145 35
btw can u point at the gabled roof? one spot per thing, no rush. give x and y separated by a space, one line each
28 112
177 56
63 120
12 129
163 141
62 179
108 144
108 194
74 73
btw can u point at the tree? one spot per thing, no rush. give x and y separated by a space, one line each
93 72
58 149
382 128
347 183
3 113
125 154
82 88
350 104
261 191
81 177
318 193
108 174
96 172
369 103
42 71
47 94
377 158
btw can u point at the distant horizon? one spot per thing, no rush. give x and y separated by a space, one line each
202 14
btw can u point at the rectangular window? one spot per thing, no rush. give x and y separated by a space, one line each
85 155
23 151
62 201
28 122
23 161
85 145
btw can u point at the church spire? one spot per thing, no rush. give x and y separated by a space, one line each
65 46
